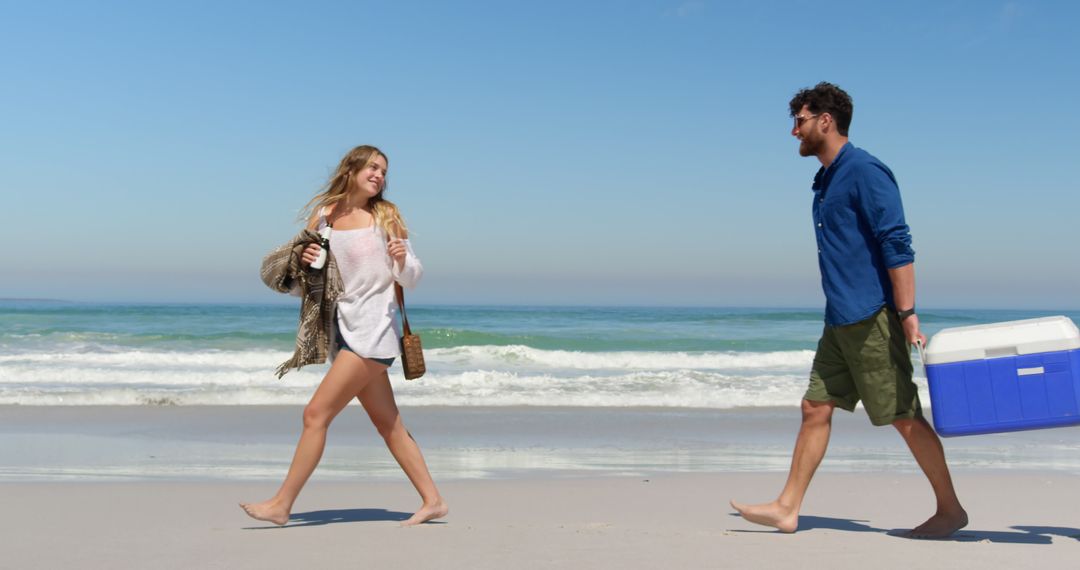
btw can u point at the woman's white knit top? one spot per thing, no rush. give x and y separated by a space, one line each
367 310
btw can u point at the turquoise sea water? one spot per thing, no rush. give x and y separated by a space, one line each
666 390
59 353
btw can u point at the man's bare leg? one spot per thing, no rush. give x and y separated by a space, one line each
813 440
926 447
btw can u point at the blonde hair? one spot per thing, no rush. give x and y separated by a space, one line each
387 216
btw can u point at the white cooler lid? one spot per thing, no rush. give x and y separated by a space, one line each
994 340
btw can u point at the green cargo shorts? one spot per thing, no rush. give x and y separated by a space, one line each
870 361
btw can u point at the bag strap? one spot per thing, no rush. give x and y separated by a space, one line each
400 293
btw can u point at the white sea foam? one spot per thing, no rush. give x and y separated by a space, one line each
148 359
466 356
474 388
464 376
633 360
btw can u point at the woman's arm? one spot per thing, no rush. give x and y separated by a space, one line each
405 266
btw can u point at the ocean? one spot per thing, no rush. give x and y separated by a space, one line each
150 392
68 354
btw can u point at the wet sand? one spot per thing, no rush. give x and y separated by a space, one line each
139 487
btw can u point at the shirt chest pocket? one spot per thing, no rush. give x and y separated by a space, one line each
836 213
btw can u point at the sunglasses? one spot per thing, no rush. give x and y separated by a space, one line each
800 120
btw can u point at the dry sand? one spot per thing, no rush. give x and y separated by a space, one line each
1018 520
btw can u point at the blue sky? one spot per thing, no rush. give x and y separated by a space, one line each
631 152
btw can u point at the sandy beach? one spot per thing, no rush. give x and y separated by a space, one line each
138 487
674 521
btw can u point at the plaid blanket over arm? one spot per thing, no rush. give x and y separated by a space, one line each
319 291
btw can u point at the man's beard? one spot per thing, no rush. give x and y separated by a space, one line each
809 147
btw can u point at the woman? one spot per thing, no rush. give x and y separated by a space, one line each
371 249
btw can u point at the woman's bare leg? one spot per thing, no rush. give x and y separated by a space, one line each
346 377
377 397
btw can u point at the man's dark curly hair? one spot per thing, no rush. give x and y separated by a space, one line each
825 98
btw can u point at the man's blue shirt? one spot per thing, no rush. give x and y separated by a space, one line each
861 234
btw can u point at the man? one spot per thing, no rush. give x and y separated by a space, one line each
867 272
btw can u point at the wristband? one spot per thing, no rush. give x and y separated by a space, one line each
905 313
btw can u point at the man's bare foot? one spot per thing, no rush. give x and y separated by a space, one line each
428 513
769 514
940 525
267 511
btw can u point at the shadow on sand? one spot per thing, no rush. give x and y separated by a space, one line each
334 516
1025 534
828 523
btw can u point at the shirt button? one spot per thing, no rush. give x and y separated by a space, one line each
819 224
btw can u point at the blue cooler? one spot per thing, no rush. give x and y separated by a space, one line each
1005 376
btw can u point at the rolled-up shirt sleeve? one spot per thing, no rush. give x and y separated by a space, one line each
881 205
409 274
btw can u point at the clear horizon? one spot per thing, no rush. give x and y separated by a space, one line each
290 302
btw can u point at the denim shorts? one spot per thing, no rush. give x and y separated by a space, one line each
345 346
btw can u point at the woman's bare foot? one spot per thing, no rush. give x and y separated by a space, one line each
769 514
428 513
269 511
940 525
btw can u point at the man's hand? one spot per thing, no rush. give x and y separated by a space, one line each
911 330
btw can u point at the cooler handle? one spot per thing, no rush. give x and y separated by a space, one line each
922 355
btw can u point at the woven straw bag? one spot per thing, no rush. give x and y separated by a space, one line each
412 355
